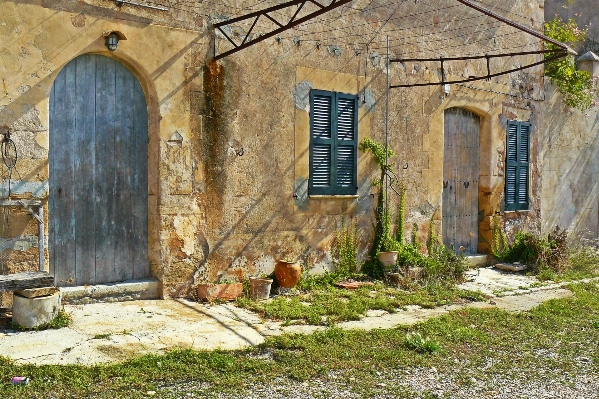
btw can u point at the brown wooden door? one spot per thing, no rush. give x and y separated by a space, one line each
98 203
460 180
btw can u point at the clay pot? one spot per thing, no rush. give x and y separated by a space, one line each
287 273
388 258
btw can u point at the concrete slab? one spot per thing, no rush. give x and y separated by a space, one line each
106 332
493 282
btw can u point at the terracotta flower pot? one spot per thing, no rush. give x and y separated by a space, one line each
223 291
287 273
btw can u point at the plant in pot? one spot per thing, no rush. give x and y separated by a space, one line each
384 248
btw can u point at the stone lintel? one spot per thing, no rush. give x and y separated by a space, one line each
37 292
25 280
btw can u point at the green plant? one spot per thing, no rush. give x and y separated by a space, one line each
345 248
433 238
415 241
576 86
415 341
62 319
401 215
445 264
382 239
499 244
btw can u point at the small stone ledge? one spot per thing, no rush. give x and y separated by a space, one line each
131 290
477 260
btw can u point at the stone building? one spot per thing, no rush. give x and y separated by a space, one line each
151 160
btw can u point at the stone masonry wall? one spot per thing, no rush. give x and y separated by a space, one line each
227 152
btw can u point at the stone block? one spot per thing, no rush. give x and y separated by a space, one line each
37 292
33 312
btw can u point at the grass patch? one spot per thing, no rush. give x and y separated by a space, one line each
330 304
544 343
62 319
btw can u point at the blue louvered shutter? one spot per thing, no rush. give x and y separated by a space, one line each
517 166
333 143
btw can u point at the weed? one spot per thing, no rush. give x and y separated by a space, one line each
102 336
345 248
62 319
553 257
415 341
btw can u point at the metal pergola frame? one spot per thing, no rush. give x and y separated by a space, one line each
557 55
247 41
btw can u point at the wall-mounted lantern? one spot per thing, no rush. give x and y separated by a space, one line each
112 39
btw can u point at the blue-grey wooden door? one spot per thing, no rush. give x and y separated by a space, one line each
98 202
460 180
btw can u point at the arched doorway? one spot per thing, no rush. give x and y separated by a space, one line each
98 203
461 170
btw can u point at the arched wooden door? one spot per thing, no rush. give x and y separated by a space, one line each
98 203
461 170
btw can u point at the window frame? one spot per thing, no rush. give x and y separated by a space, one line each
343 152
517 166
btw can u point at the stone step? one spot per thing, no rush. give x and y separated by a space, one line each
479 260
131 290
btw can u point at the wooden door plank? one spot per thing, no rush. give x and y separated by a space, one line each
84 179
124 117
475 182
139 203
61 196
449 173
104 171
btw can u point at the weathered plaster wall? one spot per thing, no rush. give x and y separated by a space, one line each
570 143
228 140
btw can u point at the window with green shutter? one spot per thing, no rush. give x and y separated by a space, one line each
517 166
333 143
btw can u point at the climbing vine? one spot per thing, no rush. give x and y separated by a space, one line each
576 86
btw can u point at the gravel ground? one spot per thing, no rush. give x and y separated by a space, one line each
419 383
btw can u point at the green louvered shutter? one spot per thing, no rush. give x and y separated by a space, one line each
347 156
517 166
333 143
321 142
